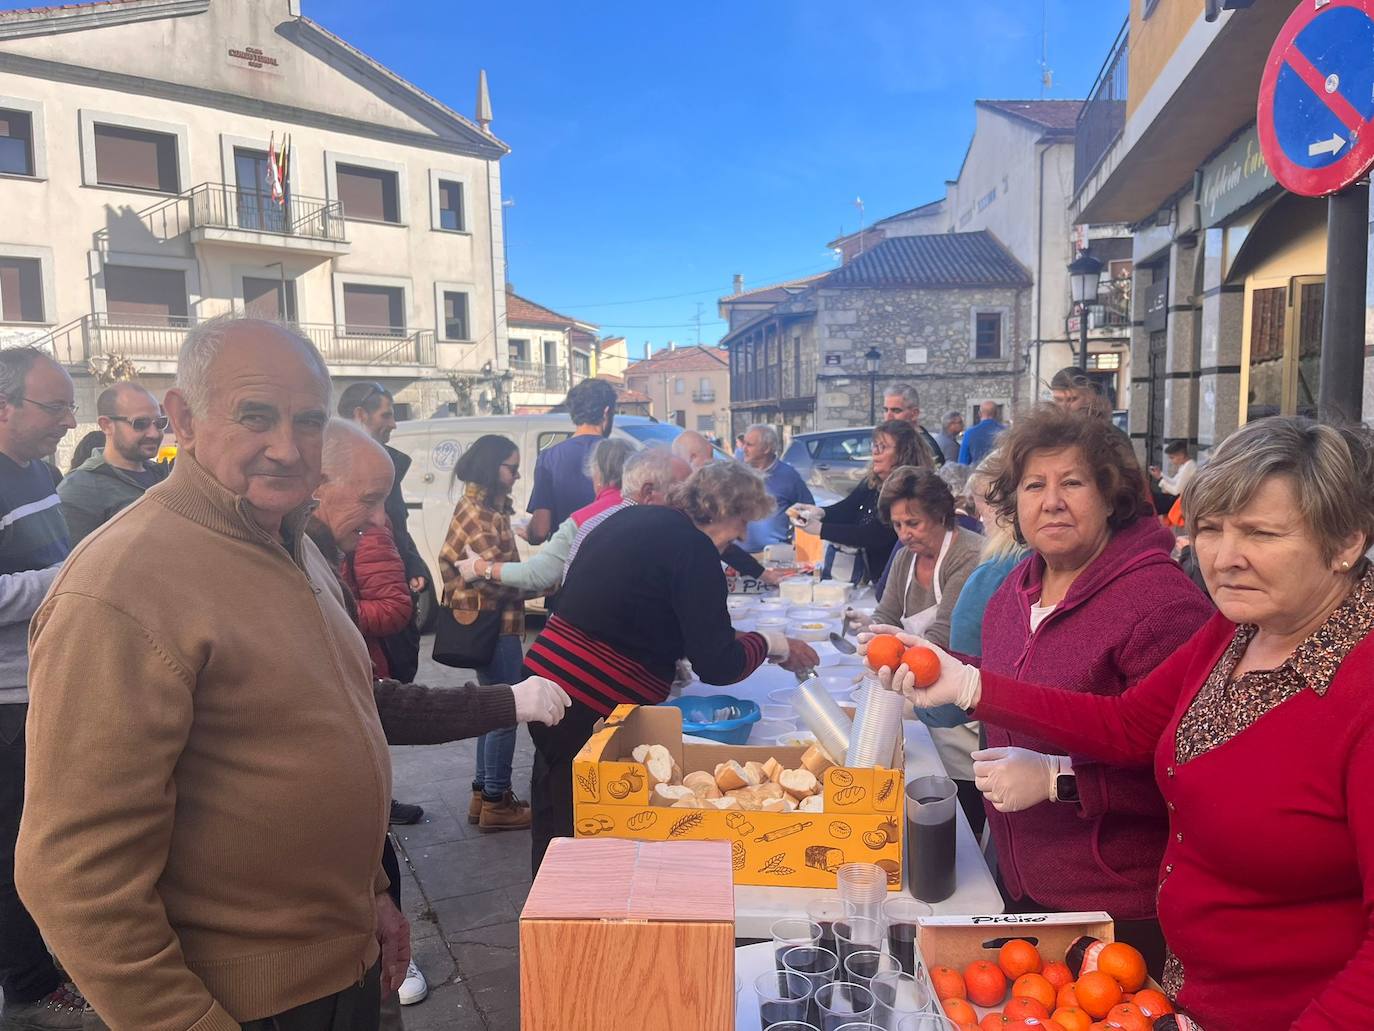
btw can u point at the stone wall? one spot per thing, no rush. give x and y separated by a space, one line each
926 338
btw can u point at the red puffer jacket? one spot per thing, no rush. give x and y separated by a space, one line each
377 578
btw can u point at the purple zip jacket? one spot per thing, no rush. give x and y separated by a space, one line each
1126 613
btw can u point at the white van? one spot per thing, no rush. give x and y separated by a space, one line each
435 444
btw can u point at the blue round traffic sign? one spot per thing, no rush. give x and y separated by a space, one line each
1316 99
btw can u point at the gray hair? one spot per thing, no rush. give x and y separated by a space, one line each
1331 469
769 436
906 392
15 363
950 416
343 438
606 463
204 343
650 465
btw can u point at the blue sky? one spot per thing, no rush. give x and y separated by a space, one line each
657 149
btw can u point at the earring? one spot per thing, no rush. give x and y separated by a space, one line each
1345 567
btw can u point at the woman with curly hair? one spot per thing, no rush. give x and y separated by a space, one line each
647 589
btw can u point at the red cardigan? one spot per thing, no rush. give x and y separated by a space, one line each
1123 616
1267 884
377 577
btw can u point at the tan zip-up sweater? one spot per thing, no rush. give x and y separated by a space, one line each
207 777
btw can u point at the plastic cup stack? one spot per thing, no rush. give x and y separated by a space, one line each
823 717
877 722
863 889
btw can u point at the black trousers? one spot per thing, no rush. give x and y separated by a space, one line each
27 971
551 806
971 801
357 1008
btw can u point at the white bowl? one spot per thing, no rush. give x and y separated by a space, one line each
796 739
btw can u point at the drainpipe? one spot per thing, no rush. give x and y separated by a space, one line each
1040 263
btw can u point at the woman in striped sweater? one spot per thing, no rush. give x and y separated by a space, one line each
646 590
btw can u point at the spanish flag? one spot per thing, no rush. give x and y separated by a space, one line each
278 167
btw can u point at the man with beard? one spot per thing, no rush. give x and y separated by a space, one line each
115 476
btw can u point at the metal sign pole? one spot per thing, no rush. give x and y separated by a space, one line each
1341 390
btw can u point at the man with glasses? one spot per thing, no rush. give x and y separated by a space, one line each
116 476
36 411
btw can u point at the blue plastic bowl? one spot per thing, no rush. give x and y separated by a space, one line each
699 717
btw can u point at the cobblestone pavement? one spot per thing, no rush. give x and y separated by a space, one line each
463 890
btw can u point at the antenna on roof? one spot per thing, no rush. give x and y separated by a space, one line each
1046 73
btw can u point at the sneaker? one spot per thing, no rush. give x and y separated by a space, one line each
414 988
403 813
63 1010
509 814
475 806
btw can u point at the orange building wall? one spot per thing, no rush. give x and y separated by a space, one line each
1153 41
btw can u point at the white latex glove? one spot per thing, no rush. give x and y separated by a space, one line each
806 517
959 684
467 568
1014 778
539 700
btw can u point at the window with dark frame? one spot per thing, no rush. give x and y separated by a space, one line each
451 205
136 159
987 341
21 290
373 310
456 315
368 194
16 142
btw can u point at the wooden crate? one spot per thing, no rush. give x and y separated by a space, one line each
619 935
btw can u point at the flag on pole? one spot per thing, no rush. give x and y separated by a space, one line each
275 178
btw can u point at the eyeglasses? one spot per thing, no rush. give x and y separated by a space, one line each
881 449
141 424
514 469
58 408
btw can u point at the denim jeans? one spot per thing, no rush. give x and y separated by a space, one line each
496 749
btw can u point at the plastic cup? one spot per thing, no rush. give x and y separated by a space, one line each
818 966
791 933
782 996
796 1025
825 913
925 1022
862 1025
863 966
857 934
902 919
897 994
842 1002
863 888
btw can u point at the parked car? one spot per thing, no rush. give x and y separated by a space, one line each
831 460
435 444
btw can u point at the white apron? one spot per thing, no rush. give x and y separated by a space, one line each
955 744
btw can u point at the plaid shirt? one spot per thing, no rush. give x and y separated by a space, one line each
478 529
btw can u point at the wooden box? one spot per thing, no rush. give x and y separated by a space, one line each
619 935
861 821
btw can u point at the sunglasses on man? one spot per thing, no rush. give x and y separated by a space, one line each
141 424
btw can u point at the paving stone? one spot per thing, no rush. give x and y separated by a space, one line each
480 909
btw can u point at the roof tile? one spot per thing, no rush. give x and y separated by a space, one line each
685 359
1054 116
940 260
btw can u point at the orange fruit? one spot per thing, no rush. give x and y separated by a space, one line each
1097 993
1057 974
1152 1003
948 982
987 985
1034 986
1072 1018
1034 1024
960 1012
924 665
994 1022
1124 964
1017 956
884 650
1022 1006
1129 1017
1067 997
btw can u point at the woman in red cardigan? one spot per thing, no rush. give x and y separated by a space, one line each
1261 734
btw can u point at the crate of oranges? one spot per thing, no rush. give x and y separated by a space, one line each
1038 972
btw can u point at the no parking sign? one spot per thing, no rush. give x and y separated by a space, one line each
1316 99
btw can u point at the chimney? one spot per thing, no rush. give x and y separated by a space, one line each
672 345
483 102
739 283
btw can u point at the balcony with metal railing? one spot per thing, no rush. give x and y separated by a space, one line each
218 213
1103 115
704 397
153 339
543 377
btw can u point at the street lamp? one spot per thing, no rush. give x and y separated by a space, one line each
872 358
1085 272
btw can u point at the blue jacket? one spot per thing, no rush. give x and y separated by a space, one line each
978 441
785 486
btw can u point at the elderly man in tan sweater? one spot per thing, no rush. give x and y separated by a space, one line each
208 781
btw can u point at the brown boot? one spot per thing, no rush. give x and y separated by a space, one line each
475 806
509 814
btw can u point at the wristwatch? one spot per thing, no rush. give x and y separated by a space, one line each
1065 783
487 575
